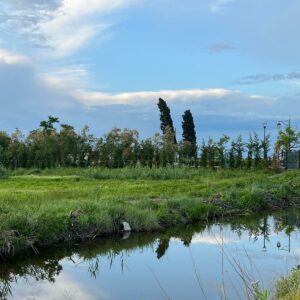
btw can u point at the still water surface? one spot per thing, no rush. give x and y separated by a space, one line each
192 262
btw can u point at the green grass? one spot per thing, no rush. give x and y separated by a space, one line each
288 288
35 205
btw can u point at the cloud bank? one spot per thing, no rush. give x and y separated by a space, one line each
61 26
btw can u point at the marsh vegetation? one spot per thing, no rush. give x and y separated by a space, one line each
36 210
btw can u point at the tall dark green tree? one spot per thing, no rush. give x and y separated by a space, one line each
188 146
165 118
188 128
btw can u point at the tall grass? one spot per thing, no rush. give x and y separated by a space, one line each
142 173
288 288
35 209
136 173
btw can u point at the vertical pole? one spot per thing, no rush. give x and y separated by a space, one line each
289 134
289 145
289 242
265 146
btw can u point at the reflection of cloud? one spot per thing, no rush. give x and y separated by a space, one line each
213 237
64 288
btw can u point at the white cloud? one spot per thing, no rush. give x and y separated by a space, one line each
11 58
74 82
75 22
67 77
61 26
218 5
146 97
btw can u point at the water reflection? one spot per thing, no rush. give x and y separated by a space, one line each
106 260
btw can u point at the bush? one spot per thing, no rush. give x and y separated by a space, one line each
289 288
3 173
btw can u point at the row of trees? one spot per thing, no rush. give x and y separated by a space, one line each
58 145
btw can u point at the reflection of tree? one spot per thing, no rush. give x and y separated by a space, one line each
287 223
265 231
37 270
186 241
284 221
255 227
163 246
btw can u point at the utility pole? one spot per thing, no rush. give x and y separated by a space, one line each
265 146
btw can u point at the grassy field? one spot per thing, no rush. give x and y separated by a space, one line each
36 206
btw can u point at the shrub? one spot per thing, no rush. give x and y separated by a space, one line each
3 173
289 288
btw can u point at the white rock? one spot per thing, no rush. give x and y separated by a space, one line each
125 226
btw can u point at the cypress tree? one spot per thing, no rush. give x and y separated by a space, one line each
165 117
188 128
189 136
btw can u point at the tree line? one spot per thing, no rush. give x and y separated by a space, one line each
55 144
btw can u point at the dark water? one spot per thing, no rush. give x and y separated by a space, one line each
194 262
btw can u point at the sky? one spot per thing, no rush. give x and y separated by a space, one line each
234 63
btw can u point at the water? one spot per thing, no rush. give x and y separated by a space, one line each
193 262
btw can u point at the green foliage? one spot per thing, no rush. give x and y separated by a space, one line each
3 173
203 157
288 288
165 118
48 126
288 138
54 146
261 295
239 149
221 150
188 128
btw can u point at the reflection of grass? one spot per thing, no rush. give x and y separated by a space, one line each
35 209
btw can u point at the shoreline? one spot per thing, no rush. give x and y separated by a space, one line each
40 211
84 239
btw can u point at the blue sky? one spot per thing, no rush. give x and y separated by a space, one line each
234 63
